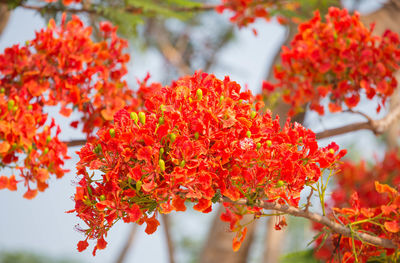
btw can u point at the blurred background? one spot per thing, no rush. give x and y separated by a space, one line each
167 47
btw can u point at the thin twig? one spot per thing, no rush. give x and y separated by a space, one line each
128 244
170 242
335 227
309 200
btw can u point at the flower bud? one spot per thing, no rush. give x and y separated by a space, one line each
112 132
172 136
199 94
134 117
142 117
248 133
161 163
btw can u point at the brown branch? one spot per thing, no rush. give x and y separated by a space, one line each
128 244
75 143
344 129
92 9
170 242
170 53
376 126
335 227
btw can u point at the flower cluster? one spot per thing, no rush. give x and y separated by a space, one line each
338 58
247 11
199 140
371 210
60 66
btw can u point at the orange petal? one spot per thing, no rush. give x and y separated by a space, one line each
392 226
12 183
152 224
30 194
4 147
65 112
3 182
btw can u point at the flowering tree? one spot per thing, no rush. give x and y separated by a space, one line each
204 140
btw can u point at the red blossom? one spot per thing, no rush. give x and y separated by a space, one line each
339 58
248 11
61 66
196 140
365 194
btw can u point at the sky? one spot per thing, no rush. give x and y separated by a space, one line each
41 225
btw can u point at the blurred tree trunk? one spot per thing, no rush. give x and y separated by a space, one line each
4 16
218 246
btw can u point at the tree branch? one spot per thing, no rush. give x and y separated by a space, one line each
335 227
376 126
128 244
168 236
75 143
92 9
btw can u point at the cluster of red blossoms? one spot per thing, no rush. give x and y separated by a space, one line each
339 58
198 140
61 66
375 205
247 11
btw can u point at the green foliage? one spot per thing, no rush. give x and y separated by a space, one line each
28 257
306 256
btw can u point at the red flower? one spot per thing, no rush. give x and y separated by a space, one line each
196 140
339 58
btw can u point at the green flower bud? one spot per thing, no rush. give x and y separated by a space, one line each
248 133
182 164
112 132
172 136
196 135
162 151
199 94
258 146
269 143
253 114
161 120
134 117
11 104
162 108
161 163
102 197
48 138
280 183
46 150
142 117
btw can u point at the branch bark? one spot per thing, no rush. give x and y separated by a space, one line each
168 236
75 143
335 227
4 16
376 126
128 244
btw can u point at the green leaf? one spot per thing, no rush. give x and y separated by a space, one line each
306 256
